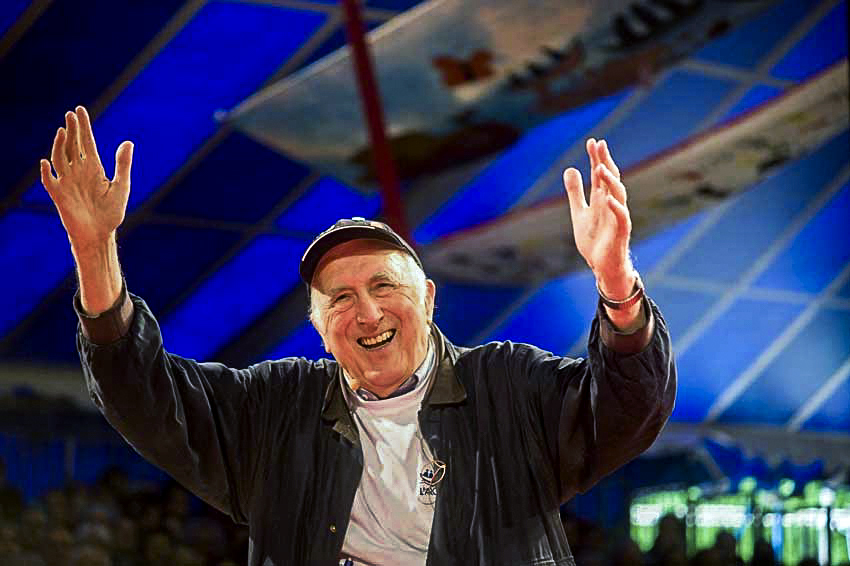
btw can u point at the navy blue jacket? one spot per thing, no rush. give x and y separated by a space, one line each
275 447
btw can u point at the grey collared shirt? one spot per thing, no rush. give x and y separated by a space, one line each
423 371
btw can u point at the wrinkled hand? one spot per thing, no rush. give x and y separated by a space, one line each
602 227
90 205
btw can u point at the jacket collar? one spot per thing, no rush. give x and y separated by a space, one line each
446 389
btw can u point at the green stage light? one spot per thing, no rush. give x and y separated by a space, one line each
747 484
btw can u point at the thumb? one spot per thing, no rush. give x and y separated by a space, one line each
574 188
123 163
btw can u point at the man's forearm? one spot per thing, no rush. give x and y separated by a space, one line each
99 274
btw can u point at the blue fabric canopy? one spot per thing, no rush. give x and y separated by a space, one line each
756 289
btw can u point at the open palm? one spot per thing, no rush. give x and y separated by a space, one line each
90 205
602 226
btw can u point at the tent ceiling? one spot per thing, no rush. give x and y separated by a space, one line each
756 290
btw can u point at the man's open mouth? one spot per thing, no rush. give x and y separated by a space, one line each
377 341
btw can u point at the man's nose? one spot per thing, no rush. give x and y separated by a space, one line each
369 311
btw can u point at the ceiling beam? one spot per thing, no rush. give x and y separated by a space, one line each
374 14
746 378
261 227
668 260
761 263
279 321
145 209
820 397
761 74
24 22
139 62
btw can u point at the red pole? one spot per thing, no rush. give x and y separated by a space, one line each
371 99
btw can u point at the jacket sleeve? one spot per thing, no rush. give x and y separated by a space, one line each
200 422
599 413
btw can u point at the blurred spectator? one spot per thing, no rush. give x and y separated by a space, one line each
669 548
90 555
186 556
627 553
705 557
726 547
208 533
32 532
125 543
58 512
593 546
763 554
157 549
58 547
11 500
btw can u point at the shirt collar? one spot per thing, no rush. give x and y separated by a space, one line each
419 376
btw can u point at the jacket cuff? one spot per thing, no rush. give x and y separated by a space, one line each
622 342
109 326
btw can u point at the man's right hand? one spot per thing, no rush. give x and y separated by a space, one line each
90 205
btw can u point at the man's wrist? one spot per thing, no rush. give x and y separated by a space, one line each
621 295
81 247
617 285
625 303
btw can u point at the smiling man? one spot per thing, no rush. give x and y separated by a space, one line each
371 304
403 448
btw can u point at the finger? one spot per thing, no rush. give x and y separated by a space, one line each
605 157
575 190
594 161
598 194
123 164
87 136
57 154
621 213
612 183
51 184
72 144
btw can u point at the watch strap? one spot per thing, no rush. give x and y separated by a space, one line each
636 295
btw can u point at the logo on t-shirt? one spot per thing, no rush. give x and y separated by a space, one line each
432 474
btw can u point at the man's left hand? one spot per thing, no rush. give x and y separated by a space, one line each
602 228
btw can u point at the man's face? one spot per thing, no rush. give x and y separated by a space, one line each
372 312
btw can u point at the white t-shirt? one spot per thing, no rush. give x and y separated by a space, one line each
394 505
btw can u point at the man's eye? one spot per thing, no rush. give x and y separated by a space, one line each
384 287
341 298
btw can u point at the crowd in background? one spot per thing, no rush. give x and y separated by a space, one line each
593 546
112 524
115 524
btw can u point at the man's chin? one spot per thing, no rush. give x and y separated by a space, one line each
378 382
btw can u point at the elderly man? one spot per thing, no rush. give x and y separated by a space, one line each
403 449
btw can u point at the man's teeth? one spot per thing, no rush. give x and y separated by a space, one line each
377 339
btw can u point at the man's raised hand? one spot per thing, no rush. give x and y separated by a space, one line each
603 226
90 205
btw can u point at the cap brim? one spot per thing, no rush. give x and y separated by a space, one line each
323 244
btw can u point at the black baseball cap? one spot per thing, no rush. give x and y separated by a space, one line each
345 230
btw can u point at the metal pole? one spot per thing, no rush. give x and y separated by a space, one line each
371 100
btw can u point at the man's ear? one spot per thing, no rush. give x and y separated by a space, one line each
430 297
322 336
313 321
